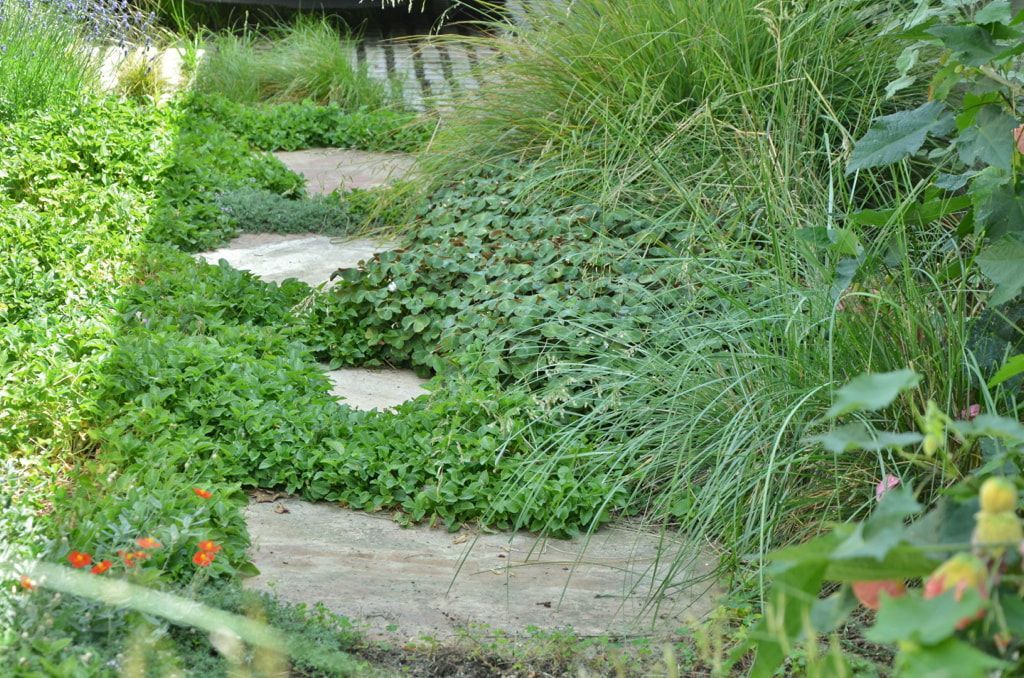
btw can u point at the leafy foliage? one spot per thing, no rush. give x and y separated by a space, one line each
261 414
976 95
291 126
492 297
965 620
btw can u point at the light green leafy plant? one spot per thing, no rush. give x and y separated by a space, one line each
962 613
970 126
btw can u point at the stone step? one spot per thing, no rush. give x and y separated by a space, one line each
367 388
428 582
308 257
330 169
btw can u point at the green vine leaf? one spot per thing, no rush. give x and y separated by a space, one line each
858 436
896 136
989 140
995 12
1003 263
870 392
927 622
972 45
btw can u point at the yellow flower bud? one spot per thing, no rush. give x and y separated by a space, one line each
993 532
998 495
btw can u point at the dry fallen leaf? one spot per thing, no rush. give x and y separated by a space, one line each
460 539
265 496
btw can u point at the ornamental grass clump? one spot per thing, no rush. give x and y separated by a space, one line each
51 52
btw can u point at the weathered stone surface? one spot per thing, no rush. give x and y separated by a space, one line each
307 257
328 169
375 388
429 582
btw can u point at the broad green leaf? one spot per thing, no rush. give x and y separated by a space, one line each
896 136
954 182
858 436
992 426
870 392
998 207
901 562
1013 612
1003 263
881 532
972 45
997 11
989 140
952 658
898 85
950 522
845 242
926 622
1011 369
846 270
908 58
973 102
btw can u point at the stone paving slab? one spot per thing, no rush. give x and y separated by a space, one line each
370 569
307 257
329 169
375 388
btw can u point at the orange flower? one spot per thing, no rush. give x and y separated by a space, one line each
129 557
79 560
205 494
209 546
27 583
203 558
147 543
101 567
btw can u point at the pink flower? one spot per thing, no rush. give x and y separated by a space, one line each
885 484
970 412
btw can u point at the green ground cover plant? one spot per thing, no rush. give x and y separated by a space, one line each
91 197
168 384
291 126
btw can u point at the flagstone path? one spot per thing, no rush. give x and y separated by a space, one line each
422 581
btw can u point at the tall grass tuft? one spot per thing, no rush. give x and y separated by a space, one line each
647 97
307 60
726 122
45 58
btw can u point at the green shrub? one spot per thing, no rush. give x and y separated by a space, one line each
262 211
292 126
676 100
309 60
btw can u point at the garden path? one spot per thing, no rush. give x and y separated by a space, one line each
328 169
422 581
313 258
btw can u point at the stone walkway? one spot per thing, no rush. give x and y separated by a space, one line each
308 257
329 169
418 581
